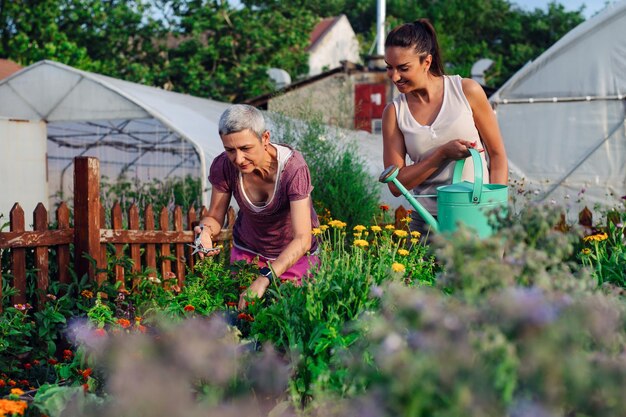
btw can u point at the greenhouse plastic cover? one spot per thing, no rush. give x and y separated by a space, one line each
143 131
562 116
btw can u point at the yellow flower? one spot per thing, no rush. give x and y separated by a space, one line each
406 220
376 229
359 228
390 227
599 237
357 235
361 243
86 294
403 252
401 233
17 391
323 227
316 231
338 224
586 251
414 241
397 267
415 234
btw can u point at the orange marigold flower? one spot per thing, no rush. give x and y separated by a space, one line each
384 207
10 407
125 323
12 383
17 391
86 294
189 307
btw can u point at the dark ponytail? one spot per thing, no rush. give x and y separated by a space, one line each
421 36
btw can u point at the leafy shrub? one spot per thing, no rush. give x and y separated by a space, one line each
340 179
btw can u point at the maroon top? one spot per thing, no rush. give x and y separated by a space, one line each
266 230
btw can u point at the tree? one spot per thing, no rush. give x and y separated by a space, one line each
224 53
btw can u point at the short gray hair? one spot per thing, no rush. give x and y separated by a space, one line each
240 117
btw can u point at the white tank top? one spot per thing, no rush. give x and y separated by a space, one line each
454 121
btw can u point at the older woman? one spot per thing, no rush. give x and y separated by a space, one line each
272 186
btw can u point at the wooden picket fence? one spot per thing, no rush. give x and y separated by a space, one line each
89 238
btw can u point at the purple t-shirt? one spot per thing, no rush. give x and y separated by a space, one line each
266 230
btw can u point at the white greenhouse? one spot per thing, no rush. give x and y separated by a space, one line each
563 116
51 113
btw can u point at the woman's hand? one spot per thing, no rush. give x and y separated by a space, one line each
205 239
255 290
457 149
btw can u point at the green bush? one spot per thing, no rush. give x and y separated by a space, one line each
342 184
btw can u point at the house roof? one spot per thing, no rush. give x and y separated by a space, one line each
320 30
8 67
262 100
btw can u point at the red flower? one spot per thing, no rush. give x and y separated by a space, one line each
24 382
142 328
189 307
243 287
86 373
100 332
12 383
36 362
125 323
384 207
245 316
2 383
27 366
52 361
231 304
85 387
67 354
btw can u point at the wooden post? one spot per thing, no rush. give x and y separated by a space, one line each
150 252
116 224
86 215
179 266
40 217
63 251
135 249
18 256
166 263
191 223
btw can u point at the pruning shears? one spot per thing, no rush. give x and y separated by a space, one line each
198 247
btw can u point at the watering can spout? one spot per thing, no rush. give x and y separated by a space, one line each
390 174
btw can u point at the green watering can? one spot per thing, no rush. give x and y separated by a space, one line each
460 202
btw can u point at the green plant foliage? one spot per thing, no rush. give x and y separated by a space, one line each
341 182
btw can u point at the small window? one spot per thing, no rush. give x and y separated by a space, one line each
377 126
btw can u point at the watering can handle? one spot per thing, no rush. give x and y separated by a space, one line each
478 174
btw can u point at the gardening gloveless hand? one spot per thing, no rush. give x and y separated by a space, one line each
255 290
205 238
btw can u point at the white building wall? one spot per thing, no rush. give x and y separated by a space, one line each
338 44
23 176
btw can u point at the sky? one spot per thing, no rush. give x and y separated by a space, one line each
592 6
